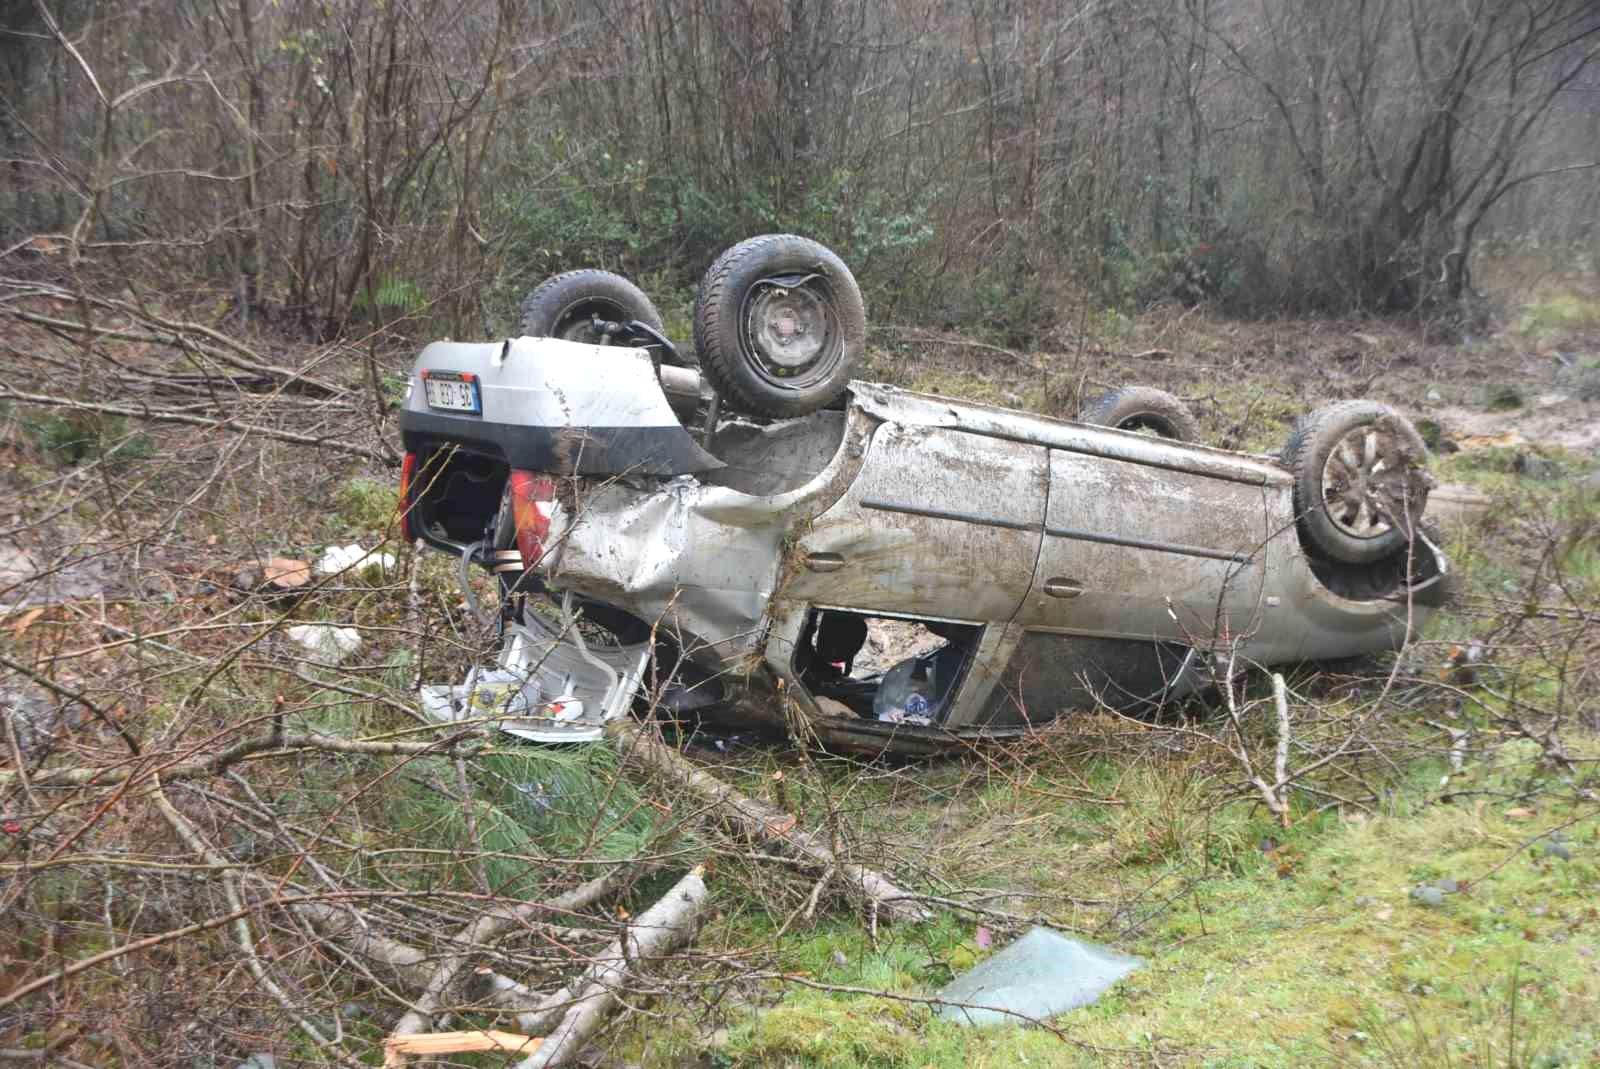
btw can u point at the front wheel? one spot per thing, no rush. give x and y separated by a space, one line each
780 325
1360 480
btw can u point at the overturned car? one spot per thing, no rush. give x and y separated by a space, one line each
718 534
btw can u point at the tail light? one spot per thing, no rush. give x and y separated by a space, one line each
533 500
408 468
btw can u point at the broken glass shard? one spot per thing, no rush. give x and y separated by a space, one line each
1041 974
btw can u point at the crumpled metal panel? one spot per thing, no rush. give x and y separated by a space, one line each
548 685
893 403
700 559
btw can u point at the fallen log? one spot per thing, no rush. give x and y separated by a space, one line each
584 1005
477 935
765 824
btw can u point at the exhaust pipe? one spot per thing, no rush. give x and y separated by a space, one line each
684 387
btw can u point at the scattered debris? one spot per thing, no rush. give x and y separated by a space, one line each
1041 974
326 643
275 575
1427 895
890 642
338 559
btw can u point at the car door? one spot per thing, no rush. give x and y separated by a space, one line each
1138 551
940 523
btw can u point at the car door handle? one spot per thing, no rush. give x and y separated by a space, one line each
824 562
1063 588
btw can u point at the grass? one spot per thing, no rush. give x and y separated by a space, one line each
1311 954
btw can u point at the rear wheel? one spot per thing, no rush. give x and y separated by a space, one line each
1359 480
779 325
567 306
1147 409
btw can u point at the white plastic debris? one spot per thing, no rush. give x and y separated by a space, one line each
336 559
325 642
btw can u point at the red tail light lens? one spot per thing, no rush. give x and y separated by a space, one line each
533 499
408 469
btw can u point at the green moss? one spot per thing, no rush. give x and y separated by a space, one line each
815 1029
367 506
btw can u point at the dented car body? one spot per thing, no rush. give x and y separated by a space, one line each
732 568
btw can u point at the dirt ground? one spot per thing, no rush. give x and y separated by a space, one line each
1318 943
1246 381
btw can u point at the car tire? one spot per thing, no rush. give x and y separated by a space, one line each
1346 459
1144 408
779 325
564 305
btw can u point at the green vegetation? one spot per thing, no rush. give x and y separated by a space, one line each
1559 312
367 505
1311 953
69 438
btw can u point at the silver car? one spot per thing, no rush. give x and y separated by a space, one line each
882 569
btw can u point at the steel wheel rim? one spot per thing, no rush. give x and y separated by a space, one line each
576 321
1350 506
790 334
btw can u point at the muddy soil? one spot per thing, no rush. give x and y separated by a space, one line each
1247 381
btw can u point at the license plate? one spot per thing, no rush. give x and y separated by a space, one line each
453 391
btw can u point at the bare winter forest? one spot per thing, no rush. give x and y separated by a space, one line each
977 163
229 838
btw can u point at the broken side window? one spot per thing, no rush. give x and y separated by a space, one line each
895 669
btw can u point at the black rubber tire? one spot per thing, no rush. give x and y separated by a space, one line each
1306 455
562 305
1144 408
723 312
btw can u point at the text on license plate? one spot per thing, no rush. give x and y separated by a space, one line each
451 390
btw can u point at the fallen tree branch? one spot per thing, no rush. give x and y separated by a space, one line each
489 926
332 442
765 823
273 744
395 1048
183 336
243 936
590 999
